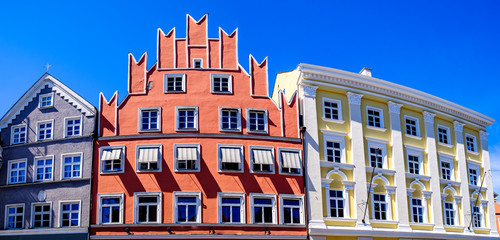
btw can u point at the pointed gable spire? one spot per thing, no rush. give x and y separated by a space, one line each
137 74
166 49
228 49
197 33
258 73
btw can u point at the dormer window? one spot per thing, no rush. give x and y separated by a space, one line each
198 63
46 100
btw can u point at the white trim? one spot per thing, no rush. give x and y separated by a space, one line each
159 206
383 146
221 195
198 59
339 110
10 162
271 196
66 119
388 203
197 195
381 117
51 94
198 152
51 121
99 207
345 196
417 126
159 161
25 133
283 197
419 155
32 222
63 163
61 210
478 173
251 160
238 124
448 137
158 123
474 142
334 138
219 157
7 214
377 140
266 120
424 210
280 162
229 83
122 160
186 108
452 167
174 75
35 168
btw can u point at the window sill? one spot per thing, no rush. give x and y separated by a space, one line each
454 227
347 166
445 181
383 221
46 107
476 187
114 172
149 130
377 128
257 172
381 170
187 171
422 224
473 153
291 174
418 176
480 229
148 171
340 219
186 129
230 171
174 92
333 120
256 132
445 145
414 137
230 130
226 93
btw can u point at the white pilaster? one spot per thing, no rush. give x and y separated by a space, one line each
398 159
485 154
427 195
358 156
311 153
433 171
463 177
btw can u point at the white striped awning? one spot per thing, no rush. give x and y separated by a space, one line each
111 154
262 156
231 154
290 159
187 153
148 154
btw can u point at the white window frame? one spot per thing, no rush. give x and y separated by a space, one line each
252 205
283 197
197 146
33 205
339 110
452 167
35 172
198 60
175 75
448 142
177 122
381 116
219 156
25 134
149 109
122 160
345 196
9 170
23 205
197 195
474 142
66 119
51 121
63 164
387 201
481 214
266 120
280 162
476 167
419 155
424 209
61 212
238 124
41 96
455 217
251 148
160 157
158 208
417 126
99 207
241 196
334 138
229 84
372 144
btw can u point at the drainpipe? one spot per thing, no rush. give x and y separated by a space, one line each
302 138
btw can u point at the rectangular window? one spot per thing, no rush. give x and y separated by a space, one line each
446 170
187 207
112 159
148 158
110 208
72 165
262 159
333 151
336 199
477 217
42 214
257 121
379 207
230 119
46 100
187 157
150 119
19 134
44 130
471 143
70 214
291 209
17 171
222 83
73 127
197 63
417 210
175 83
290 161
449 213
411 126
376 157
443 134
231 158
187 118
148 207
43 168
374 117
14 217
473 175
263 208
231 207
332 109
413 164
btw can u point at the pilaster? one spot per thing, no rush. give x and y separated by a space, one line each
462 172
485 158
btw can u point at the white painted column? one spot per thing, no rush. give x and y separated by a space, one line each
433 171
358 157
311 153
427 195
463 177
485 154
398 159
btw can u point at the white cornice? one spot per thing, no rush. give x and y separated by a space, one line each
62 90
336 76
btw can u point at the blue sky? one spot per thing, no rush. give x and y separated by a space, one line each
446 48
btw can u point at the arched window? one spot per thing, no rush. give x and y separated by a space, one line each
380 198
450 206
418 198
337 189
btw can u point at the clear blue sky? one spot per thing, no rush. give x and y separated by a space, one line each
450 49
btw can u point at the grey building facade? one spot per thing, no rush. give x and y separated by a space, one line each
47 141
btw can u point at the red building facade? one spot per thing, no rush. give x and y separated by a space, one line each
197 148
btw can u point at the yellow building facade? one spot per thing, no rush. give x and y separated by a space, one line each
384 161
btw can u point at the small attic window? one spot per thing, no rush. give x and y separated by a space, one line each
46 100
197 62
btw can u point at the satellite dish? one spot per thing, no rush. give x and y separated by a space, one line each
42 196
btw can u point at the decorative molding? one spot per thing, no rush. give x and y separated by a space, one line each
349 185
354 98
390 189
308 91
429 117
459 127
394 107
427 194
